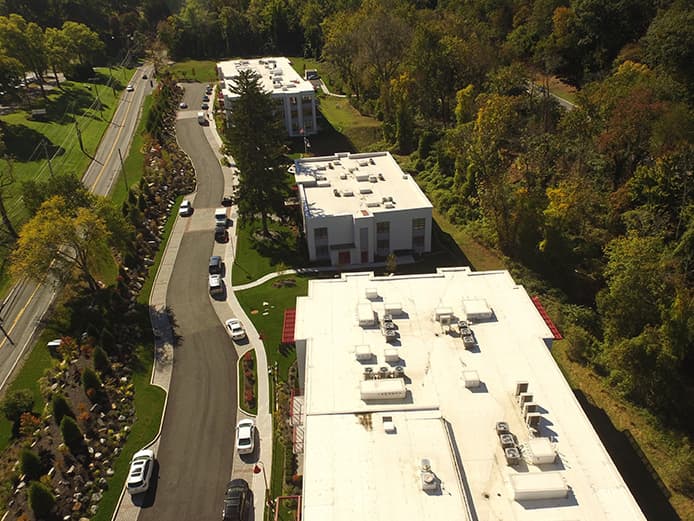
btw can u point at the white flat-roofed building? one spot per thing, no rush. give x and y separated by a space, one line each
295 97
358 208
438 451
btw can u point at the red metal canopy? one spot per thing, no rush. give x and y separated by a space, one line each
288 326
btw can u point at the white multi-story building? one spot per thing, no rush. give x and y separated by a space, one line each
410 414
358 208
294 96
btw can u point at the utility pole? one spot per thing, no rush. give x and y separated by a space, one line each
79 136
122 169
48 157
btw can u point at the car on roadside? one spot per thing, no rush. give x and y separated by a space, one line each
235 329
204 106
140 472
216 284
185 209
237 500
130 88
245 436
220 233
228 200
205 98
183 105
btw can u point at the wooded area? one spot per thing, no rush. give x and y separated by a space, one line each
596 200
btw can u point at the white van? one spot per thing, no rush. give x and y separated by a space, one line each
201 118
220 217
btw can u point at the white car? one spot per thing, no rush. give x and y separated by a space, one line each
216 287
130 88
235 329
185 209
140 471
245 437
183 105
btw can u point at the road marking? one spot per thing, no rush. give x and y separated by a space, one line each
113 147
19 315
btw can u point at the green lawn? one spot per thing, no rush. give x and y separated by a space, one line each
255 258
268 319
345 129
204 71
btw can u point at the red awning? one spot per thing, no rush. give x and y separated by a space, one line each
545 317
288 326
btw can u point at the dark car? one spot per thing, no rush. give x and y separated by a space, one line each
204 106
220 233
227 200
237 500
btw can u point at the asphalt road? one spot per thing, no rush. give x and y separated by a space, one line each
27 301
196 451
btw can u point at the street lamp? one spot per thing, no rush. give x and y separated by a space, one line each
257 469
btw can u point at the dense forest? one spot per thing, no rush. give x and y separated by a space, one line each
596 200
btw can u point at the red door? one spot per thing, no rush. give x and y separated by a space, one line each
344 258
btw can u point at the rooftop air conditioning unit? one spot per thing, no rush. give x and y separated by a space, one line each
347 193
389 205
373 179
380 176
365 190
343 176
368 373
371 161
330 166
405 176
533 419
363 162
373 204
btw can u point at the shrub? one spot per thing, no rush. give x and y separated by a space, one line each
683 480
101 361
28 423
72 436
60 408
30 464
90 380
41 499
16 403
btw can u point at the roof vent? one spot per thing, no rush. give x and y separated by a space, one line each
347 193
380 176
336 192
330 166
373 179
343 176
387 198
371 161
365 190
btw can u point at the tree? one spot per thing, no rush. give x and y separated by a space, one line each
256 140
26 43
61 408
67 186
92 383
41 500
57 50
11 71
72 435
30 464
101 361
84 44
16 403
6 181
78 242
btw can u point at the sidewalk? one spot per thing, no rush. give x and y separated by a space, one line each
231 308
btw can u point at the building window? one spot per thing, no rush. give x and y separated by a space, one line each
383 228
322 252
292 100
418 232
418 224
320 234
307 99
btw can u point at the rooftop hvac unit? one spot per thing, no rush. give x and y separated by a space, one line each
471 379
389 205
512 455
507 440
343 176
363 162
368 373
541 451
336 192
533 420
365 191
405 176
399 371
529 407
502 428
380 177
523 398
373 204
383 372
373 179
429 481
392 308
391 355
363 352
361 176
521 387
323 183
330 166
347 193
371 161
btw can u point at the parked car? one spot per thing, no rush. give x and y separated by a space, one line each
227 200
205 98
215 266
216 284
237 500
220 233
130 88
245 436
140 471
183 105
144 76
235 329
185 209
204 106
